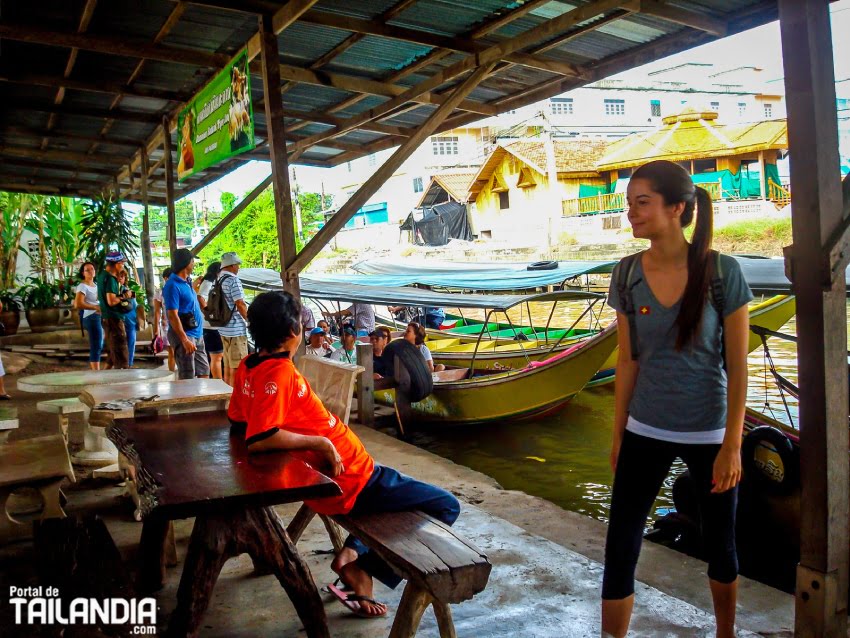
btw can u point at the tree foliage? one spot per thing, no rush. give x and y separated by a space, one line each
253 234
106 227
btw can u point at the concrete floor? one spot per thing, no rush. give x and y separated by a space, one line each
545 580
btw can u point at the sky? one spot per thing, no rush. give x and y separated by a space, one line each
759 47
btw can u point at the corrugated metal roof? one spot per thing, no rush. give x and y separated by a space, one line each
380 54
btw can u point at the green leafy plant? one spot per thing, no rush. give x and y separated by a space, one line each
14 209
133 285
105 228
39 294
10 300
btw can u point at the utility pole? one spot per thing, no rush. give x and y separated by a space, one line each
296 191
553 206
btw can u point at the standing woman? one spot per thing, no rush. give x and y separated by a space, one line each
680 306
86 302
212 338
160 321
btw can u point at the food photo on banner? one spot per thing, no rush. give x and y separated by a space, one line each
218 122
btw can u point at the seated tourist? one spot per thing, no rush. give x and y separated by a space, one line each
329 335
379 338
280 411
318 345
415 334
347 352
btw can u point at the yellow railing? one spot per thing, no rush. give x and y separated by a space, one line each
779 195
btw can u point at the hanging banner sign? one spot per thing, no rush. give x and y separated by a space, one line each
219 121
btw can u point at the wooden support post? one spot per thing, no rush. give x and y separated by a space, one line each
365 385
762 177
147 253
371 185
818 283
169 186
277 148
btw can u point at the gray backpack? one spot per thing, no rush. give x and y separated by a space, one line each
218 312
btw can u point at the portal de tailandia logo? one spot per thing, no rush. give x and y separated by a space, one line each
42 606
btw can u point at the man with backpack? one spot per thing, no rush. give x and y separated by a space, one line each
227 311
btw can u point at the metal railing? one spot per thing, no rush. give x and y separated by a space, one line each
616 202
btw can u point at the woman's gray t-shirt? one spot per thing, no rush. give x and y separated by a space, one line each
679 395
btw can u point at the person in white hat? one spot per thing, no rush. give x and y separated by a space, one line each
234 335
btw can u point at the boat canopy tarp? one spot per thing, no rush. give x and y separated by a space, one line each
266 279
767 276
439 224
467 276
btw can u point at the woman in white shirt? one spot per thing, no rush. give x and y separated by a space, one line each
86 302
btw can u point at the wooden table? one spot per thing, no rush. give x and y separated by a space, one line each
165 397
97 450
191 465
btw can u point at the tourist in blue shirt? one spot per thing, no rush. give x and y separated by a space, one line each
185 321
681 384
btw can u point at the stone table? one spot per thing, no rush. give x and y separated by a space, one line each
97 450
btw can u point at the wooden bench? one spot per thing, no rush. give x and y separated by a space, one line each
440 566
41 463
62 408
8 422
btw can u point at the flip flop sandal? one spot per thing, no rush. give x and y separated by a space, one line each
352 602
5 397
338 584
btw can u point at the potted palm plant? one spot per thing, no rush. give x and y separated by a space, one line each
41 299
11 314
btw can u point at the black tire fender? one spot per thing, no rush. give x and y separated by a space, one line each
769 460
542 265
419 383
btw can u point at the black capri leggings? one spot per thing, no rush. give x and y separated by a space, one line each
642 466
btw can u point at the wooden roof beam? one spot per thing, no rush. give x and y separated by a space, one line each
71 168
61 134
85 19
96 87
130 116
109 45
459 44
68 156
684 17
364 85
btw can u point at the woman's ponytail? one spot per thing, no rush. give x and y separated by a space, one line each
700 270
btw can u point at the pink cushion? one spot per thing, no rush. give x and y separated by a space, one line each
557 357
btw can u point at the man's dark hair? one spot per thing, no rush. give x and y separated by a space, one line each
273 317
167 273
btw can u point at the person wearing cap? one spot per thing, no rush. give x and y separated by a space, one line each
185 319
110 301
347 352
234 335
317 345
379 339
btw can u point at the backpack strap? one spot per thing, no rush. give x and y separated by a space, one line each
624 289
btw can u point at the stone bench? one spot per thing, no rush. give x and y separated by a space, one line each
40 463
8 422
62 408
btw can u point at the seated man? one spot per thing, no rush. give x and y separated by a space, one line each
279 411
317 344
379 339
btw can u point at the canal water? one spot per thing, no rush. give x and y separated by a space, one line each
565 458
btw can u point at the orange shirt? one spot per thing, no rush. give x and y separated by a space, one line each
270 394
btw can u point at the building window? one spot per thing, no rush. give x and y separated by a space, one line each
715 106
615 107
373 159
768 110
654 108
417 185
624 173
705 166
561 105
742 108
504 200
444 145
